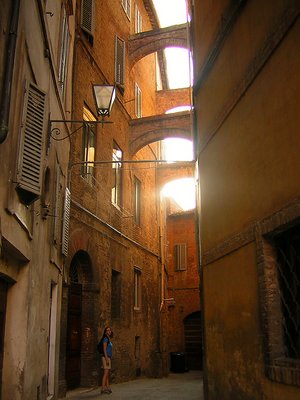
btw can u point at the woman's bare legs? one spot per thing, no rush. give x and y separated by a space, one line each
105 380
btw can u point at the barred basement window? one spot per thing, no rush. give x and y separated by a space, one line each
287 246
278 265
32 145
180 257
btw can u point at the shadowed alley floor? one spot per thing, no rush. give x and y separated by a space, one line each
184 386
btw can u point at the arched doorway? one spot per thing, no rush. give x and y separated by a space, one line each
193 340
79 320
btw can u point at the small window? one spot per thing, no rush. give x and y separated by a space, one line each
58 205
119 61
88 146
138 26
137 289
138 101
137 347
127 6
32 145
64 51
87 18
116 192
137 201
66 222
180 257
115 294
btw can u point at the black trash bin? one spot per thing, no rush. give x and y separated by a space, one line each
178 362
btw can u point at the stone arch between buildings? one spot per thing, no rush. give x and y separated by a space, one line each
145 43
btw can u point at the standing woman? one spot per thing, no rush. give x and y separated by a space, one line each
105 350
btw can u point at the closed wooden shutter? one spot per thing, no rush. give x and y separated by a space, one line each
87 16
180 257
66 222
32 145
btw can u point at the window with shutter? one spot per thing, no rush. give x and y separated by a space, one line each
32 145
180 257
66 222
138 101
137 201
127 7
119 61
64 51
87 16
88 146
137 289
115 294
138 21
58 206
116 191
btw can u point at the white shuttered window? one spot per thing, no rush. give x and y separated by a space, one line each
180 257
127 7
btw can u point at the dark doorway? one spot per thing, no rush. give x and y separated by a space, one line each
3 296
80 323
193 340
73 362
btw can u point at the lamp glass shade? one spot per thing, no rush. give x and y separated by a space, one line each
104 97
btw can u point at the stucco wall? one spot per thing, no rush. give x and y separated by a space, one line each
246 91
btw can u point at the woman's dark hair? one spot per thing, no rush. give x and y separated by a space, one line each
104 332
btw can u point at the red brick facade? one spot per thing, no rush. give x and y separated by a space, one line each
183 286
108 249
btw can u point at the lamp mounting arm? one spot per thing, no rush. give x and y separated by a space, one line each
54 131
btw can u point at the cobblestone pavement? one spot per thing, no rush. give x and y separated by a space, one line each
182 386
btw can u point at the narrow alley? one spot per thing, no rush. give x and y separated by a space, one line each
176 387
150 199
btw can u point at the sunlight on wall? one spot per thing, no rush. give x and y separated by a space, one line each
182 191
178 109
175 149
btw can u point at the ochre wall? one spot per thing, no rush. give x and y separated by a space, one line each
246 106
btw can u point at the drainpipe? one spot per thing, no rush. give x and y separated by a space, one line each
8 71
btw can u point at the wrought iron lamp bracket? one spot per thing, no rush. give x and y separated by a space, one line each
54 131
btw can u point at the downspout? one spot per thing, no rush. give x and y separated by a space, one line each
8 71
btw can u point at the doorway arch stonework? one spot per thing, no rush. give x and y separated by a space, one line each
80 294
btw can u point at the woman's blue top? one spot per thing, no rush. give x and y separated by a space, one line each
109 347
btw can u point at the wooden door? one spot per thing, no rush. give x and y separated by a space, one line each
73 354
